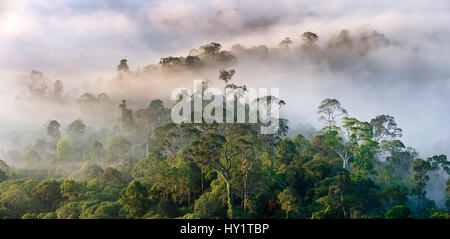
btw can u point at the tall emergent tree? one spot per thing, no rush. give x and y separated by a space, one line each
329 110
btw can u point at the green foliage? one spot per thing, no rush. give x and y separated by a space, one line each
48 192
5 171
167 208
394 195
70 190
127 118
110 177
126 167
288 201
149 167
96 150
286 151
212 204
118 145
53 129
29 216
103 210
63 150
134 200
3 176
69 211
87 172
447 192
15 201
440 215
398 212
76 129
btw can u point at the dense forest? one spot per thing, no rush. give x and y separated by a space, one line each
143 165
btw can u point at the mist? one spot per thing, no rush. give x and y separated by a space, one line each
58 61
81 46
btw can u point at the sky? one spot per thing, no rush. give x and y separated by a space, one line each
78 40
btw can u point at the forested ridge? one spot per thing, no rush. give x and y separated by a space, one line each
146 166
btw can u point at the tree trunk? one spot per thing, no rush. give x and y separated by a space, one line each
230 200
245 193
271 156
202 171
147 142
418 203
189 198
343 206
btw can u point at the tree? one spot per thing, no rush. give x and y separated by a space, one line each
218 158
329 110
225 57
398 212
286 151
226 76
53 130
320 167
288 200
385 127
16 201
212 49
394 195
87 172
76 129
246 148
157 112
69 190
421 169
125 168
273 137
110 177
69 211
123 66
36 82
204 146
343 148
170 62
358 145
63 150
284 44
440 215
58 88
6 170
3 176
447 192
301 143
361 133
127 116
190 177
134 200
440 162
309 37
169 139
339 198
400 158
104 210
96 150
48 192
212 204
193 61
118 145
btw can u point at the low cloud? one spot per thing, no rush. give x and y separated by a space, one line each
393 58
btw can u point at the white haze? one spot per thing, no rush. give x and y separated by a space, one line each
79 41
